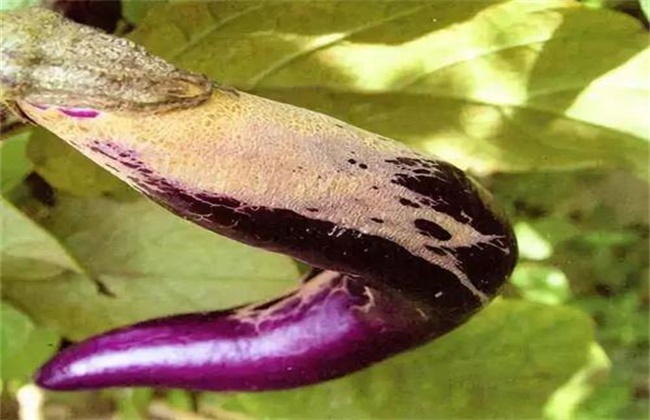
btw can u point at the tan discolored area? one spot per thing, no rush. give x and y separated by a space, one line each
269 154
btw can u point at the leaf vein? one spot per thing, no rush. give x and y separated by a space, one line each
256 80
212 28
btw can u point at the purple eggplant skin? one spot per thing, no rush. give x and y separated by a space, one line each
330 327
407 247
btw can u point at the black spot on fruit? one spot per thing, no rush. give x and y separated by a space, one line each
431 229
436 250
408 203
377 220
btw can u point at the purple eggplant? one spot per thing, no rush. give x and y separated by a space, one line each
405 247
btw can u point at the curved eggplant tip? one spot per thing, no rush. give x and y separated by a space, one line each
54 378
326 329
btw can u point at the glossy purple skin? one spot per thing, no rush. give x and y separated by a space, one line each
338 327
71 112
389 301
79 112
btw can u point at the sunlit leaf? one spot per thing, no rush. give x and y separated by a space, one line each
486 85
16 328
541 283
531 243
645 7
14 165
18 4
28 250
24 346
566 400
135 10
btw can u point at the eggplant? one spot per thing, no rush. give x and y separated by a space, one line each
405 247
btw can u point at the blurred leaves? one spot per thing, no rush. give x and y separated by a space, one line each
418 72
133 403
24 345
18 4
541 283
596 224
532 244
645 7
14 165
28 251
135 10
566 401
15 329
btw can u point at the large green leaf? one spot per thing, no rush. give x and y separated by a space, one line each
29 251
14 165
148 262
135 10
645 7
507 86
505 363
16 328
24 346
18 4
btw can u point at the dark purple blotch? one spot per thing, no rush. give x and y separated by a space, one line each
408 203
432 229
448 190
79 112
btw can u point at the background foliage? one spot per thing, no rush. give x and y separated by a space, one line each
546 101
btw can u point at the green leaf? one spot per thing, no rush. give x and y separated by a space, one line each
133 403
68 170
180 399
14 165
541 283
28 251
532 244
505 363
610 4
16 328
645 7
149 263
486 85
18 4
135 10
568 398
24 347
623 330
